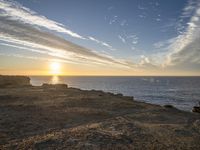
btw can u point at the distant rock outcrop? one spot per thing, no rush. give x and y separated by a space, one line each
14 81
54 86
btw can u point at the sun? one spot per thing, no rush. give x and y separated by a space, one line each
55 68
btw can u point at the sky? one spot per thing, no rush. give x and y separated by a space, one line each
100 37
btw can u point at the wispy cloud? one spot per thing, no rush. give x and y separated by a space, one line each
25 28
134 42
123 23
101 43
110 8
142 16
46 52
141 7
130 40
184 51
28 57
158 19
122 39
113 20
171 24
16 11
144 60
134 39
180 53
189 10
163 44
146 63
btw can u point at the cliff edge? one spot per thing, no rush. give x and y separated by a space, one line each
14 81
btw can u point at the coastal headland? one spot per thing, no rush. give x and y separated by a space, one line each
62 117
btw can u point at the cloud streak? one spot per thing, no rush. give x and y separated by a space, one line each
184 51
101 43
122 39
17 12
21 26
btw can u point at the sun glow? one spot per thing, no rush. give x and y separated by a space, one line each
55 68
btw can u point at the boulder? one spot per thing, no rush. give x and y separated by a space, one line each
168 106
196 109
14 81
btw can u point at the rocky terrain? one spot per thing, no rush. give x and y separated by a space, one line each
14 81
60 117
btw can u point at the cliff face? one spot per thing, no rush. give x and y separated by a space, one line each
14 81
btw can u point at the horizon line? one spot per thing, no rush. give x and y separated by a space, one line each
103 75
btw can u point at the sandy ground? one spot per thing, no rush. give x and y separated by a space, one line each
69 118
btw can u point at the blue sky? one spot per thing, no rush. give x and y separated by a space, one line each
108 20
151 37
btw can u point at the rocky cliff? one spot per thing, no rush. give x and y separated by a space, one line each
14 81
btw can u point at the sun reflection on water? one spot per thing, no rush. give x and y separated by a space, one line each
55 80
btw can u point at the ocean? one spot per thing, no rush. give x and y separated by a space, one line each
181 92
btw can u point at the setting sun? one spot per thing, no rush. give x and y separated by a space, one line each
55 68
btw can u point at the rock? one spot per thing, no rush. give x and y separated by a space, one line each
14 81
131 98
119 94
54 86
196 109
197 123
72 141
168 106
